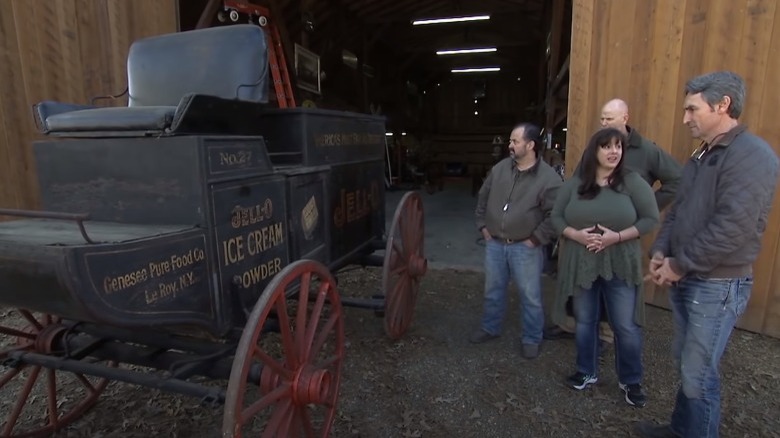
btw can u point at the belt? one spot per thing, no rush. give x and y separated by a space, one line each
506 241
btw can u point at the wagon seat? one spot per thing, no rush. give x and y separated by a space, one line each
186 82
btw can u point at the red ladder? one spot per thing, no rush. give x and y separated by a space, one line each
276 59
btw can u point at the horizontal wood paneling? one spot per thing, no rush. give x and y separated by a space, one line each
646 56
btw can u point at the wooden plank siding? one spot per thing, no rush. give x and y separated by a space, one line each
63 50
644 51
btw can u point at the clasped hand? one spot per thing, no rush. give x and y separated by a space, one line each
595 241
661 272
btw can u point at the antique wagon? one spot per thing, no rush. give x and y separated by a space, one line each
194 235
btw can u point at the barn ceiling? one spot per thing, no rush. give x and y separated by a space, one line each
517 28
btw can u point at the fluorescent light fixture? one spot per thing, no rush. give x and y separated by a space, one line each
389 134
450 20
565 129
403 133
475 70
465 51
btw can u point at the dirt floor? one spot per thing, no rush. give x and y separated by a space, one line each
434 383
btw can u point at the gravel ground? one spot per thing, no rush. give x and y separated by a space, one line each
434 383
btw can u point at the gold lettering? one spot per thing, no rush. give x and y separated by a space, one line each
125 281
157 269
235 158
348 139
355 205
243 216
233 250
258 273
187 280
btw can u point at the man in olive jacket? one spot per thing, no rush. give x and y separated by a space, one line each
513 215
643 156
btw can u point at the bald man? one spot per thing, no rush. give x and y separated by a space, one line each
642 155
648 160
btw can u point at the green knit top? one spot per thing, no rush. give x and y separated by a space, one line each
632 204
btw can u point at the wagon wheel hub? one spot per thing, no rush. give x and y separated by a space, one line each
48 340
311 385
417 266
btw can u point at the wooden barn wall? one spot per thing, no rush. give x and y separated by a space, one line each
64 50
644 51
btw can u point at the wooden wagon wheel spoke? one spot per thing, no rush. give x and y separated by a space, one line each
308 427
327 329
288 344
21 401
277 425
52 399
404 264
311 330
272 363
17 333
39 333
31 319
272 397
398 250
401 306
8 376
328 361
86 383
300 324
298 381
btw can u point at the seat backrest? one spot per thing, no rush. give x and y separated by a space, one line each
228 61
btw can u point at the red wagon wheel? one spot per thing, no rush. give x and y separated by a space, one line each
298 385
41 400
405 264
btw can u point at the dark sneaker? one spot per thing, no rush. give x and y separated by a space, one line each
481 336
555 332
635 395
580 380
530 351
648 429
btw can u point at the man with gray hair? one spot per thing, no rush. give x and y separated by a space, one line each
707 245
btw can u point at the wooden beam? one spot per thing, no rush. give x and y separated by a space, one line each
561 74
556 29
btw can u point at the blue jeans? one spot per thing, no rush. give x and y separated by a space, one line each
524 264
705 311
620 302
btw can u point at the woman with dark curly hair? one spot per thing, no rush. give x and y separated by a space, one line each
600 213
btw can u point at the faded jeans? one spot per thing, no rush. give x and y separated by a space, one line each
524 264
620 302
705 311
